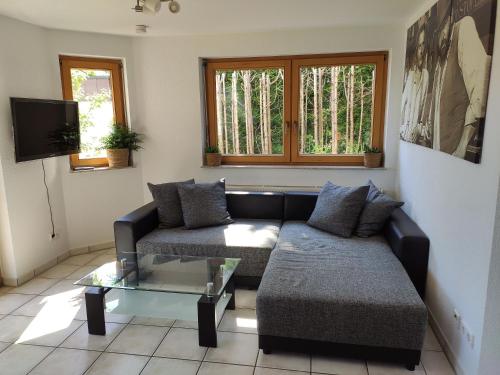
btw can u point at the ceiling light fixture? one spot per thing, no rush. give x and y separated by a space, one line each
154 6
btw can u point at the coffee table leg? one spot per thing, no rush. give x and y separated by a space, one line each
207 330
94 302
231 305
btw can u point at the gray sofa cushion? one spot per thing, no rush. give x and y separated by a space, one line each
352 291
168 203
250 240
378 208
204 205
337 209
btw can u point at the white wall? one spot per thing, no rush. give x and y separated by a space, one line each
171 113
85 204
454 202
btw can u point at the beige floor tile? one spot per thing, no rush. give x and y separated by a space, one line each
66 361
239 320
59 271
117 318
285 361
12 327
4 345
101 259
380 368
146 321
65 287
224 369
234 348
80 260
48 331
245 298
81 339
273 371
436 363
20 359
430 341
81 272
163 366
52 307
185 324
140 340
117 364
343 366
35 286
11 302
181 343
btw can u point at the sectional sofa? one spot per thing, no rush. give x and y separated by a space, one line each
317 292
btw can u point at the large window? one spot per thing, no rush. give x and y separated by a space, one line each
97 86
296 110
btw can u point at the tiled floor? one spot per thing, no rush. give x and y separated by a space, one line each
43 332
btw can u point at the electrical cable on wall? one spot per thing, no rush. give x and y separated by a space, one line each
48 200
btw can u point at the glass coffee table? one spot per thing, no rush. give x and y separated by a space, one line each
162 286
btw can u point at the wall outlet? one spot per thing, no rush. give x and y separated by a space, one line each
464 329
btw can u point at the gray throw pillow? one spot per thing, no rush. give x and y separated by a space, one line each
204 205
337 209
168 203
378 208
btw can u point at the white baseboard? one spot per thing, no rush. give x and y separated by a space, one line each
59 259
445 344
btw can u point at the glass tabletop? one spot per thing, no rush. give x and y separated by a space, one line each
165 273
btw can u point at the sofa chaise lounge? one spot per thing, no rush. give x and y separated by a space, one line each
318 292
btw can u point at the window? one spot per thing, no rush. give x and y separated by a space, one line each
298 109
97 86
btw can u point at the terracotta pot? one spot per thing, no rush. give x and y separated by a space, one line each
213 159
373 160
118 158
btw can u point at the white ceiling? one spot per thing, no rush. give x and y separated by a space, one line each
208 16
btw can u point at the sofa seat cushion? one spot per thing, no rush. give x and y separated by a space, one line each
250 240
322 287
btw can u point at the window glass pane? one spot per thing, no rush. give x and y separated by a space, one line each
250 110
335 109
92 90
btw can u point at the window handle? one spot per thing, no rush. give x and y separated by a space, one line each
287 124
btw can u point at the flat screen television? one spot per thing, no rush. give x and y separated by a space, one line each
45 128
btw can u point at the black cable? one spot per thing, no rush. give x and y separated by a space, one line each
48 200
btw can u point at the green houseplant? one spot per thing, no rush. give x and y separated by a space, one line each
213 156
372 157
118 145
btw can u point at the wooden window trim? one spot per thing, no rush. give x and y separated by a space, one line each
292 65
116 67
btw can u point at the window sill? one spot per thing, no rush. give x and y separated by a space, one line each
319 167
99 169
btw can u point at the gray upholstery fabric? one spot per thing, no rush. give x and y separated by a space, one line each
337 209
352 291
250 240
204 205
378 208
168 203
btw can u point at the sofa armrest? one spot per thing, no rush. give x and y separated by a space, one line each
411 246
132 227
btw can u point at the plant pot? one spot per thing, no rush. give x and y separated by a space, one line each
213 159
118 158
373 160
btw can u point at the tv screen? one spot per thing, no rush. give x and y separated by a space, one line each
45 128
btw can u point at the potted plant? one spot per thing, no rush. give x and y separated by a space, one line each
213 155
118 145
373 157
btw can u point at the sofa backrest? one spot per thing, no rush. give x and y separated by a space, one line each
255 205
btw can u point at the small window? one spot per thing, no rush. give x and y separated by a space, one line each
97 86
296 110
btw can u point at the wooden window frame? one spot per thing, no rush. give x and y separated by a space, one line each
115 66
292 65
